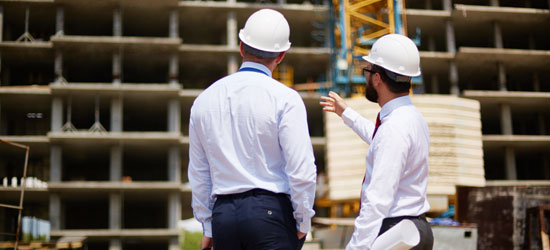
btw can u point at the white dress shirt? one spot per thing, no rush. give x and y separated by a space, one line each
249 131
397 168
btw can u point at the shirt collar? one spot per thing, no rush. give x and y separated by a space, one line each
257 66
393 104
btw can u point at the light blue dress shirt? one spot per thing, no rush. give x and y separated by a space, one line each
249 131
396 175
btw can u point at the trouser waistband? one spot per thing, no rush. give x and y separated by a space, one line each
255 191
400 218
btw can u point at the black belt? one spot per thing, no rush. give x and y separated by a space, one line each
400 218
255 191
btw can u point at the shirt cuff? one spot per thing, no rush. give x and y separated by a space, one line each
349 116
207 229
304 226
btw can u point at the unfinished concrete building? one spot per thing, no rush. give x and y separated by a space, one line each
101 92
496 52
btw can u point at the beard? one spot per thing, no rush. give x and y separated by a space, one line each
370 92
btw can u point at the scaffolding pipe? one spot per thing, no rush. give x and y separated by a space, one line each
22 195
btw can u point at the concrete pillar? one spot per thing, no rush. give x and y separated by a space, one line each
115 244
174 216
117 66
499 44
174 116
116 113
501 77
498 35
115 211
55 211
174 244
115 170
510 154
231 29
174 164
60 21
451 48
447 5
174 69
174 210
174 24
453 78
57 114
506 113
1 22
58 66
511 172
506 119
117 22
232 64
56 164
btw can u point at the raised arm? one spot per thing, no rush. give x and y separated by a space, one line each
360 125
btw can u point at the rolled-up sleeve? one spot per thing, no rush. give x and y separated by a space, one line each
200 181
300 162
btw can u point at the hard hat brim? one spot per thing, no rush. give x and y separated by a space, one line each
373 61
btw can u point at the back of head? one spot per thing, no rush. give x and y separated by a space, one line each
398 55
265 34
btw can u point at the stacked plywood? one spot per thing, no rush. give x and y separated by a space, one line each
456 153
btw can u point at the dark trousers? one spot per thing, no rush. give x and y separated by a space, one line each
256 219
424 228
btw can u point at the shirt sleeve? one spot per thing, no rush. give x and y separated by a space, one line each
389 158
199 179
360 125
300 163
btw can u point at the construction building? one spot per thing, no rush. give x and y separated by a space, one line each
101 92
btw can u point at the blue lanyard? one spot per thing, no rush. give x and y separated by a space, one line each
253 70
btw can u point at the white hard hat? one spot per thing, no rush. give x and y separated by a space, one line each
396 53
266 30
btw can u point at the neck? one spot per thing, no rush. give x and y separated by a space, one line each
270 65
383 99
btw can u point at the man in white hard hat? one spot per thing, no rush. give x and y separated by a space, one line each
251 165
394 186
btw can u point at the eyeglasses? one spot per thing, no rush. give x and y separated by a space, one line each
365 70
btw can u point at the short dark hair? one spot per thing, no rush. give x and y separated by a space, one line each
393 86
259 53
